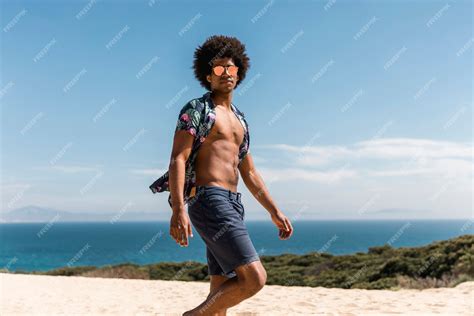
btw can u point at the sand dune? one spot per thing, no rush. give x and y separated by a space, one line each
58 295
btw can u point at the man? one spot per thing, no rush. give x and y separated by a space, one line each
207 179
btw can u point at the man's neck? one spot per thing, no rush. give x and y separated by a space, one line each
224 99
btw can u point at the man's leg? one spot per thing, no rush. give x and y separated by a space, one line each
250 279
216 282
216 274
230 250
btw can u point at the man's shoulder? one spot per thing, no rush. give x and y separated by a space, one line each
197 103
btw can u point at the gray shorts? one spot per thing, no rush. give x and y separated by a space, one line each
218 216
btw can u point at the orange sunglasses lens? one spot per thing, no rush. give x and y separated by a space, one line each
233 70
219 70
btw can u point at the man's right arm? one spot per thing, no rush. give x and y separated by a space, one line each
182 145
186 130
184 136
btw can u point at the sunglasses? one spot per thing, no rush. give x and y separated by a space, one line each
219 70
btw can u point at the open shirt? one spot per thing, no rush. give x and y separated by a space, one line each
197 117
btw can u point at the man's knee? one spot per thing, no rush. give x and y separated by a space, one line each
253 278
259 282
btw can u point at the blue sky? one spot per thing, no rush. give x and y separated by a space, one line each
356 109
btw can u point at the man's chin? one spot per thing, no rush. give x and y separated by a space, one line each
224 89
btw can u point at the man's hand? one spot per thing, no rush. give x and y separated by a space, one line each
180 227
283 224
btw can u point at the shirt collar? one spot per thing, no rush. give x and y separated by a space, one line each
207 98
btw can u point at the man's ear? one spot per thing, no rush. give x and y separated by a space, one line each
208 78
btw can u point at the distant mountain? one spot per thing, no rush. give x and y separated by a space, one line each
36 214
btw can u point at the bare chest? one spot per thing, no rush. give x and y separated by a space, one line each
227 126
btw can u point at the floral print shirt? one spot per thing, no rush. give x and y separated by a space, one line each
197 117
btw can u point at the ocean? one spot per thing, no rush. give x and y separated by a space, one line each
41 247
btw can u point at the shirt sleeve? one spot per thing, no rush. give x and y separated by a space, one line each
188 119
247 149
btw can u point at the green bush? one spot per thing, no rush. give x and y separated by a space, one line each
441 263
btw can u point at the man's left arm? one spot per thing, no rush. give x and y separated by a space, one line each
255 184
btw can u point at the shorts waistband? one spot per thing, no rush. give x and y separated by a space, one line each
232 195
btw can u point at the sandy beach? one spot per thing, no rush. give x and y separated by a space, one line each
23 294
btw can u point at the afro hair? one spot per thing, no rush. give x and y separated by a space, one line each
219 46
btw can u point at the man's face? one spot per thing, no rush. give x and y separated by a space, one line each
224 83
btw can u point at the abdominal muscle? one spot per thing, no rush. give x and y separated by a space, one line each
216 164
218 156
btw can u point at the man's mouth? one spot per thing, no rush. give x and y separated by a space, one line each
227 81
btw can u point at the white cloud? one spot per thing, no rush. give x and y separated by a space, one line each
12 188
74 169
69 168
389 148
376 157
289 174
149 172
438 167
